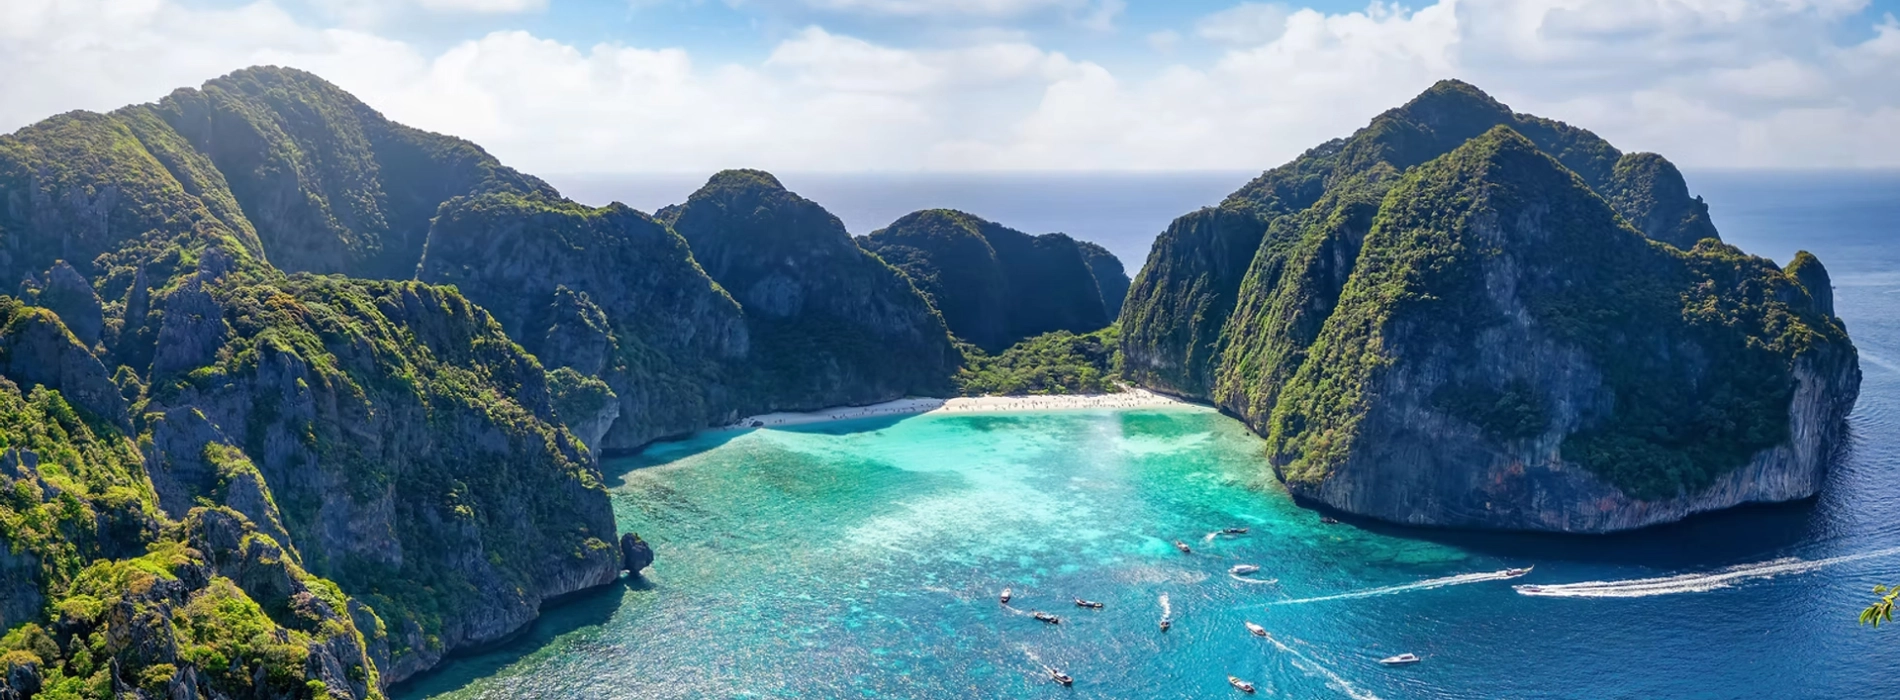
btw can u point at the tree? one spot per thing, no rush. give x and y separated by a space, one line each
1881 610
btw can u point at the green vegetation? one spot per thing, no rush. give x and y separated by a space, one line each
830 323
1053 363
1383 271
997 286
1881 611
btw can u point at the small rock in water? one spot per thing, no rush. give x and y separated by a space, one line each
634 553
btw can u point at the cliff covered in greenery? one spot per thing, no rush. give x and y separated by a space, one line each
996 285
226 476
830 323
1465 316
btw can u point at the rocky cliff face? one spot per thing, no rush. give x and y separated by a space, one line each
831 324
1466 317
608 292
369 474
996 285
387 441
1110 278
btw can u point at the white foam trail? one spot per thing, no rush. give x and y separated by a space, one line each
1167 611
1243 579
1307 664
1427 584
1693 583
1210 536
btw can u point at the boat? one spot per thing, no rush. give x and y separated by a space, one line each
1240 685
1257 630
1514 573
1080 603
1046 617
1528 588
1183 547
1400 660
1059 676
1006 596
1235 531
1166 623
1243 569
1329 520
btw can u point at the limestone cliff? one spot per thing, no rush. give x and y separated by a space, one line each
996 285
1464 316
831 324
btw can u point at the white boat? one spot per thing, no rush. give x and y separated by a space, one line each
1243 569
1240 685
1006 595
1400 660
1257 630
1183 547
1514 573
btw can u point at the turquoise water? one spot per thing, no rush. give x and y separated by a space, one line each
862 559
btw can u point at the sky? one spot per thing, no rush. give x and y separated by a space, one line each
624 86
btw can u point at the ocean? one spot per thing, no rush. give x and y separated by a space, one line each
863 559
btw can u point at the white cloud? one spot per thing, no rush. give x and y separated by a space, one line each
1706 82
1164 41
1097 15
1249 23
483 6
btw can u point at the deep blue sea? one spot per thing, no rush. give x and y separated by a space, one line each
863 559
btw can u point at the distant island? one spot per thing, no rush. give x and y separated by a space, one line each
297 401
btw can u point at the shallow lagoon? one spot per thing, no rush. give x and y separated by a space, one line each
863 559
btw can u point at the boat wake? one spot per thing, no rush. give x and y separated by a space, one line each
1334 680
1210 536
1693 583
1424 585
1167 611
1256 581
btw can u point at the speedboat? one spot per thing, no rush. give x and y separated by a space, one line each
1243 569
1166 623
1240 685
1058 676
1235 531
1257 630
1046 617
1080 603
1514 573
1329 520
1400 660
1528 588
1006 595
1183 547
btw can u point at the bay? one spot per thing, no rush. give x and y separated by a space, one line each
863 559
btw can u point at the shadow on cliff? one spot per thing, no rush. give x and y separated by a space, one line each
572 617
1745 533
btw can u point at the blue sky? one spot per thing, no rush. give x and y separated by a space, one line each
959 85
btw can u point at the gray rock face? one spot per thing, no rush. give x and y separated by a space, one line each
71 296
20 598
634 553
192 332
41 351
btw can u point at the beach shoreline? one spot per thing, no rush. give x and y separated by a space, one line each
1131 398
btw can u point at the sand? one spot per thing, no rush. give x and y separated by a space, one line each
1132 398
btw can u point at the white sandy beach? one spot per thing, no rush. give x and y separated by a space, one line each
1132 398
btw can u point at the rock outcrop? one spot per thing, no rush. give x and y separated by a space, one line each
996 285
1466 317
830 323
635 555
